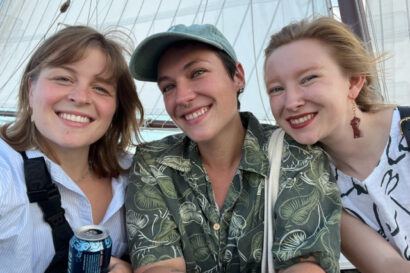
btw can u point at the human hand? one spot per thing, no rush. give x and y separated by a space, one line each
119 266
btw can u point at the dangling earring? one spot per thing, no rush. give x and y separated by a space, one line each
241 90
355 122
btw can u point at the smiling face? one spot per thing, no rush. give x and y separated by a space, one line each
199 95
73 104
310 97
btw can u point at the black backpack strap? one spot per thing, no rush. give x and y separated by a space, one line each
42 190
405 122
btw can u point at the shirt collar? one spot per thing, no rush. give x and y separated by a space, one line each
184 152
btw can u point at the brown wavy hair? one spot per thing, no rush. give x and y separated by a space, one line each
68 46
347 50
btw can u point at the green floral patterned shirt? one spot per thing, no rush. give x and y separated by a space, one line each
171 210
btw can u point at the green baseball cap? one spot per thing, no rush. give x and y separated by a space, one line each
144 61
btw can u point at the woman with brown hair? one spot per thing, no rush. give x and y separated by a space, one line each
80 112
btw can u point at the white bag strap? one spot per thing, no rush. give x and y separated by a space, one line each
271 193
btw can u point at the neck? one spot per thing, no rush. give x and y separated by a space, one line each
74 162
224 151
358 157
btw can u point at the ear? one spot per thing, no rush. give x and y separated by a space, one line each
355 85
239 76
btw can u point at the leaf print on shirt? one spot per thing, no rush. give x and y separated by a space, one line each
167 186
294 158
238 223
176 162
149 198
252 160
143 174
135 222
257 241
298 209
290 243
200 247
189 213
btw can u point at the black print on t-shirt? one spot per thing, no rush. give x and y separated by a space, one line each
390 160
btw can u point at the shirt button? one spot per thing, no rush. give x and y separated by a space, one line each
217 226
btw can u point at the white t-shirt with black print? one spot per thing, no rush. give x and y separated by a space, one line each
382 200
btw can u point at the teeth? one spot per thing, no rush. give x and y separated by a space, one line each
74 118
302 119
196 114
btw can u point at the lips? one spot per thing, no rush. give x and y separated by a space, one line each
74 118
301 120
196 114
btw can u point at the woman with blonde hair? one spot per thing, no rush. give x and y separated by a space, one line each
322 86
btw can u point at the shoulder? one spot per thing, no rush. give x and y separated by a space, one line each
12 182
170 144
256 131
6 151
11 164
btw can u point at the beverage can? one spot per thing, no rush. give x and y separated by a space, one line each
90 250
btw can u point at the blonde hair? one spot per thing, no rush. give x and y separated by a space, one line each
346 49
67 46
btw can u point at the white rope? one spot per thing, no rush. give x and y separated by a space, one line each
175 13
197 12
137 16
19 41
242 23
24 56
220 12
256 61
16 19
106 14
203 15
154 18
122 13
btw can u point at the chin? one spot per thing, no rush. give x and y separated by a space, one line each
306 140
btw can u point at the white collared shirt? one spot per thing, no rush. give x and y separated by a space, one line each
26 243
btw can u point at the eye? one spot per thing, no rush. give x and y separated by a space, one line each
198 73
308 79
62 79
275 90
102 90
167 88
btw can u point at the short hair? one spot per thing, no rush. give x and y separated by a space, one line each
347 50
68 46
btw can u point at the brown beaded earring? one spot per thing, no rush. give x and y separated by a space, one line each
355 122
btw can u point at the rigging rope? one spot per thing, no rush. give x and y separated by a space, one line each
23 56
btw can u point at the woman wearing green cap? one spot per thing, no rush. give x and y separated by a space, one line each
195 201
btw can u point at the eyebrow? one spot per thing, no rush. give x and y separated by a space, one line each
97 77
185 67
310 67
297 73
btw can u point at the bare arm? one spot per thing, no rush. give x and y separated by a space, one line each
308 265
167 266
119 266
367 250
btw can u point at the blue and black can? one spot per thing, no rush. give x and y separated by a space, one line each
90 250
